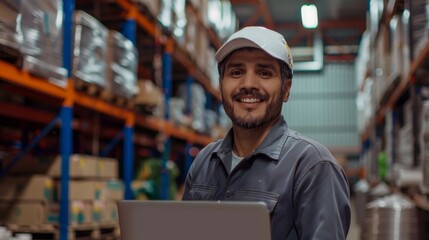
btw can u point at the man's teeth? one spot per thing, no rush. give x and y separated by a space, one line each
250 100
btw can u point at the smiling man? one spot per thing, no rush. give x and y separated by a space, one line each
261 159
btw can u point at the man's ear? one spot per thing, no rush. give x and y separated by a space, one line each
287 87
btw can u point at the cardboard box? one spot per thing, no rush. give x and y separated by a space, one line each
107 167
39 212
81 212
113 190
35 187
27 213
87 166
82 189
80 166
105 211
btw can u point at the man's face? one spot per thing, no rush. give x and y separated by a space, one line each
251 88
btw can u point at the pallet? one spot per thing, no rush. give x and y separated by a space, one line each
90 231
37 231
89 88
11 55
94 231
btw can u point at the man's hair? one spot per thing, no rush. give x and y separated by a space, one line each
285 71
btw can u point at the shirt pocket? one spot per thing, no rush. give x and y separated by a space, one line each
270 199
202 192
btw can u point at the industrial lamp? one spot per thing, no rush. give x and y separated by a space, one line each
309 15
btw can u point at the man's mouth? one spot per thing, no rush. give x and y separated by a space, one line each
249 100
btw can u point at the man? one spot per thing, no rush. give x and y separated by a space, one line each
261 159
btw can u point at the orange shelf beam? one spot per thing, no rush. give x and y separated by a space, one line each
16 76
163 126
102 106
25 113
143 21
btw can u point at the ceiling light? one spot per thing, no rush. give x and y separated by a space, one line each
309 16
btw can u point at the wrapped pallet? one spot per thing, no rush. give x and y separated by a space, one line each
90 50
9 32
41 24
121 70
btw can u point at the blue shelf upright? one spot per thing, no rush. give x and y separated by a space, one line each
129 31
167 66
66 121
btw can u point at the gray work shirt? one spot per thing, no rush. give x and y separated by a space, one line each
304 187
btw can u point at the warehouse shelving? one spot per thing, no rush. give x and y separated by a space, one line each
67 98
404 88
393 96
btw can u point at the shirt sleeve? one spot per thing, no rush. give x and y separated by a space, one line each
322 203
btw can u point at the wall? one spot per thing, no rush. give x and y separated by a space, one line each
322 105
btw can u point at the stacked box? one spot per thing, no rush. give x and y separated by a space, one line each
111 190
86 166
80 212
82 190
41 25
80 166
122 62
90 49
40 213
150 98
105 209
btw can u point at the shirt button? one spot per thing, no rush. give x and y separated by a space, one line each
227 194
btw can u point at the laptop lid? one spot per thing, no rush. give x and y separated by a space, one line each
193 220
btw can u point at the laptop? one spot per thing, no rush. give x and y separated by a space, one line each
193 220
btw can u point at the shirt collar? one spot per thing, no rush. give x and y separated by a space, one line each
271 146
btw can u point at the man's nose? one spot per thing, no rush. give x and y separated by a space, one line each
249 80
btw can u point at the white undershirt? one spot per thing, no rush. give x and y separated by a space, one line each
235 160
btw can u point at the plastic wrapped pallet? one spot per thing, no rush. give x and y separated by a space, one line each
90 49
41 25
9 31
121 70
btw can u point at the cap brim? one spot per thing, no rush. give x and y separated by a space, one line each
233 45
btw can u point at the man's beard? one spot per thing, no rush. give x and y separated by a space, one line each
272 111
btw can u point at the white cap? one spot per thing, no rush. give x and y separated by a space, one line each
265 39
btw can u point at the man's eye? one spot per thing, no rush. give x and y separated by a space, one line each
265 74
235 73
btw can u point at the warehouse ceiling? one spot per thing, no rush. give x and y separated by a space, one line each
341 22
